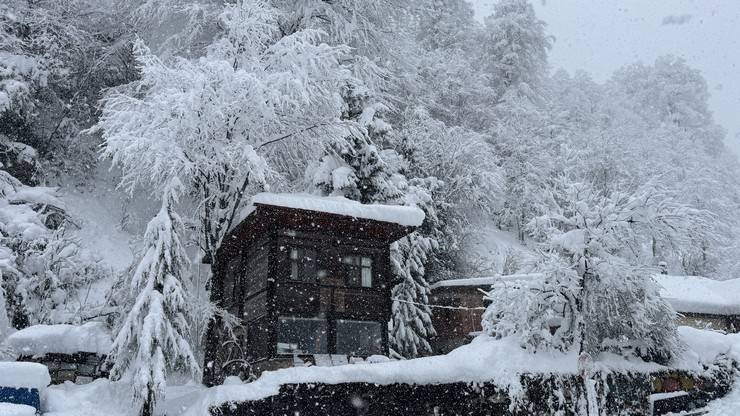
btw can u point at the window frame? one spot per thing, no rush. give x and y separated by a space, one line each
355 270
295 264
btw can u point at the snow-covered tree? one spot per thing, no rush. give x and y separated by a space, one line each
353 167
153 337
411 317
209 123
594 285
55 58
205 120
468 183
515 50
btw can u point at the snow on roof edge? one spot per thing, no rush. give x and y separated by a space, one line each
697 294
408 216
486 281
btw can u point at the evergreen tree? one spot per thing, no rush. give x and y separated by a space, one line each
153 338
353 167
411 317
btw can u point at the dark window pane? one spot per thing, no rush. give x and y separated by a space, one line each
255 307
255 271
359 338
301 336
357 270
230 278
302 264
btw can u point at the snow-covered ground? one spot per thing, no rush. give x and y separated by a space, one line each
477 361
103 397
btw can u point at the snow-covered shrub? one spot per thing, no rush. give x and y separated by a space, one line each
541 312
44 270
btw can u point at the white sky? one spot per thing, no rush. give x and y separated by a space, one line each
600 36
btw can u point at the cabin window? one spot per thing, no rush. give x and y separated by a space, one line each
358 270
230 278
255 272
359 338
301 336
303 264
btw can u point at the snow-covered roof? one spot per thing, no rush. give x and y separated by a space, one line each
487 281
696 294
22 374
398 214
91 337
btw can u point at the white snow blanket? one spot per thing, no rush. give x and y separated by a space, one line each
9 409
22 374
695 294
398 214
479 361
91 337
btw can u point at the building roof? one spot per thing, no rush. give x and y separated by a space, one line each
696 294
407 216
92 337
687 294
486 281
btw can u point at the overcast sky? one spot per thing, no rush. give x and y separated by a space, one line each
599 36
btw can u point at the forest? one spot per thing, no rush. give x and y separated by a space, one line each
177 112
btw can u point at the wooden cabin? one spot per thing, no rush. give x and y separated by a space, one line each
310 279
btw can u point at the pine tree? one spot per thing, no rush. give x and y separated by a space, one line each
353 167
153 338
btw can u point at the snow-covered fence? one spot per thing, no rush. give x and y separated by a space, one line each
618 393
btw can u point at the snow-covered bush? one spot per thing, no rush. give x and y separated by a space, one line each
44 270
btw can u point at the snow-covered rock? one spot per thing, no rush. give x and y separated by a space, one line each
696 294
24 375
398 214
91 337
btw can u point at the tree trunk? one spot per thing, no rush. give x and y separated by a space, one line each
147 408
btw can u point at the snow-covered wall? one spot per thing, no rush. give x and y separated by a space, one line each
91 337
